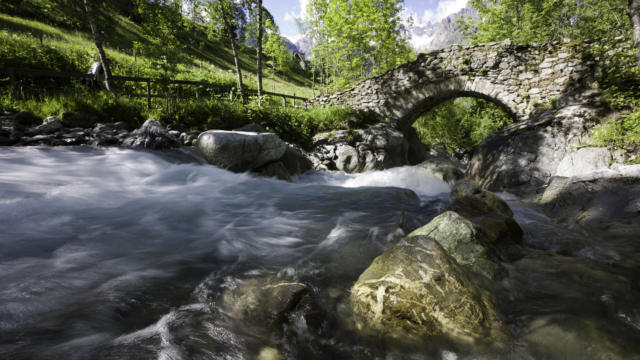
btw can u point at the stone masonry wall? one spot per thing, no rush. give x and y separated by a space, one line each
520 78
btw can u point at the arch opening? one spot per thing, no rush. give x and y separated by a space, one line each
459 123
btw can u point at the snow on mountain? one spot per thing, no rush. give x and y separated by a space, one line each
437 35
422 36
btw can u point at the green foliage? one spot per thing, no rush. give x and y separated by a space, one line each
539 21
26 51
622 133
277 53
163 26
33 44
460 125
356 39
101 106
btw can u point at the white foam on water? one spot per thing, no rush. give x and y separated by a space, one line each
418 179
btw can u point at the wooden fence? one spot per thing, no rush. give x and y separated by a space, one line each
199 89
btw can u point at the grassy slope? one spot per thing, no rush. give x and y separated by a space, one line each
205 59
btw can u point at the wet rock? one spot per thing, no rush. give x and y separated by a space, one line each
48 126
374 148
570 337
265 300
295 160
240 151
416 292
189 138
274 169
491 217
151 135
443 166
602 202
463 241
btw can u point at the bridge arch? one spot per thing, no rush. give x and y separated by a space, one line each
518 78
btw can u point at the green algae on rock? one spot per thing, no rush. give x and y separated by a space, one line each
460 239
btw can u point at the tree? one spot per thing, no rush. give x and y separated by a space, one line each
356 38
164 27
224 18
259 51
539 21
96 39
634 18
276 49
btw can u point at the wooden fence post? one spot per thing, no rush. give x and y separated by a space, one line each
284 101
293 100
12 79
149 95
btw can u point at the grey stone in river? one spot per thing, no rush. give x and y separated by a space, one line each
240 151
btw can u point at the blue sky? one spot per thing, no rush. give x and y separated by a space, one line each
286 12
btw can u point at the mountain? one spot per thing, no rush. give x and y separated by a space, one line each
422 37
432 36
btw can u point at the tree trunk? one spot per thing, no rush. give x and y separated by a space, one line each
236 59
634 16
259 51
96 39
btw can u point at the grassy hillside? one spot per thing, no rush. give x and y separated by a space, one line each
34 44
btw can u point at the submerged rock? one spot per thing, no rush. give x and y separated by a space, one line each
461 239
240 151
266 300
416 292
151 135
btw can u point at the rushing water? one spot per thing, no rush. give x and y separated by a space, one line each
120 254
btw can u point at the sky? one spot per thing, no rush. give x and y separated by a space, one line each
421 11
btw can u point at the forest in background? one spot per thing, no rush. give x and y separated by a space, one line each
216 41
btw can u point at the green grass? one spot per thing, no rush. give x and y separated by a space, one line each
33 44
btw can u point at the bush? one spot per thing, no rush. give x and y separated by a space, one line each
460 125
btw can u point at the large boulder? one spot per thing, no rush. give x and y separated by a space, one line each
463 241
524 156
374 148
151 135
415 292
240 151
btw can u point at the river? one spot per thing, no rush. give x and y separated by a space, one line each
110 253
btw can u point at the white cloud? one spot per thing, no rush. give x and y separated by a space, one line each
292 16
448 7
293 38
444 9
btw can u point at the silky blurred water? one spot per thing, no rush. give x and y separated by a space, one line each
109 253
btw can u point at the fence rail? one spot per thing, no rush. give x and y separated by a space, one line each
213 88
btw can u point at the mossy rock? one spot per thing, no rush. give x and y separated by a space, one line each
416 293
461 239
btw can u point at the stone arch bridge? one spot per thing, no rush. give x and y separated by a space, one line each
518 78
